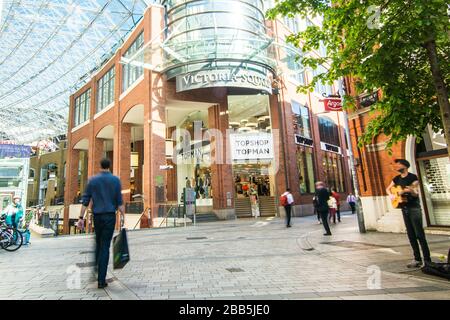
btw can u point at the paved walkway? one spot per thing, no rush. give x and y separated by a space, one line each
242 259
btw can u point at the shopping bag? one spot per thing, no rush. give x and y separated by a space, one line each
438 269
120 250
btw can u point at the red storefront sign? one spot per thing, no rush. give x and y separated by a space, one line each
333 104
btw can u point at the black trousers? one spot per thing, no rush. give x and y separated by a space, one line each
414 228
338 212
104 225
288 209
317 213
324 216
353 206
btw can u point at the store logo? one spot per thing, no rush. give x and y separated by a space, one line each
224 78
333 104
303 141
252 146
330 148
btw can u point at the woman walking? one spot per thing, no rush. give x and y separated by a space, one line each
332 204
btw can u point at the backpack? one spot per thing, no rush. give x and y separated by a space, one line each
284 200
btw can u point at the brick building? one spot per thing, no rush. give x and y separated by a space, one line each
375 167
202 95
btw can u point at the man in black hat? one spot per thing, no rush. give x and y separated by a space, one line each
412 212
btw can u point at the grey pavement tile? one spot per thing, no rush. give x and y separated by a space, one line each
335 293
169 266
370 292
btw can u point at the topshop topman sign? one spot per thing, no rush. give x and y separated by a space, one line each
240 78
252 146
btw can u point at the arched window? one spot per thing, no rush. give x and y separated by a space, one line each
31 175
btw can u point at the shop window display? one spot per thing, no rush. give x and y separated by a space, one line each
305 164
332 166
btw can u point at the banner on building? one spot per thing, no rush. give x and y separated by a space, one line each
252 146
14 151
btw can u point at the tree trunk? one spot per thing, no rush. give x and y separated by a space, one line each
441 89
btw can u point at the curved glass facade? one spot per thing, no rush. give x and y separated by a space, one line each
219 34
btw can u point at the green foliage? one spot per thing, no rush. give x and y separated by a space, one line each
385 51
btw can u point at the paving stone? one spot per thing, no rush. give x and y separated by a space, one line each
169 267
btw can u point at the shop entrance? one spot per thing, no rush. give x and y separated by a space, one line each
254 190
253 155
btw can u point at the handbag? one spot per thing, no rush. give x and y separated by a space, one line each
121 253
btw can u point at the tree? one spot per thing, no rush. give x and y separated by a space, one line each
399 46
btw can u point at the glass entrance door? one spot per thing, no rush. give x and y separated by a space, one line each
253 179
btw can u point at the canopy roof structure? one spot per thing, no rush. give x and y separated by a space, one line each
49 49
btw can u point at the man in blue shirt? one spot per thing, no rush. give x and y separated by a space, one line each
105 193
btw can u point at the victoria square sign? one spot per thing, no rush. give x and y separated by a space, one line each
240 78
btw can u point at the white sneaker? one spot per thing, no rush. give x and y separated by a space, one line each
414 264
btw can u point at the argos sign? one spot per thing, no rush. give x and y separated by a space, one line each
333 104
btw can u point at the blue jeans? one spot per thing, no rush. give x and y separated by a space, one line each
104 225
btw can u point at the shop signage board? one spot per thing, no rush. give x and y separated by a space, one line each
252 146
200 152
330 148
14 151
238 78
333 104
303 141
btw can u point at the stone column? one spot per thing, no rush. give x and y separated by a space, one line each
71 187
172 180
96 152
139 148
154 124
122 158
280 150
221 167
154 185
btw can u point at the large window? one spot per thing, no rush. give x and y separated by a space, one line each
296 69
292 24
305 164
82 108
130 72
333 171
106 89
322 87
301 120
329 132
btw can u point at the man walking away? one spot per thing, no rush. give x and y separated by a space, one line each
287 200
323 196
351 200
337 196
412 212
105 192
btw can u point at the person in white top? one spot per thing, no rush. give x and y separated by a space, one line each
332 204
287 200
351 200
